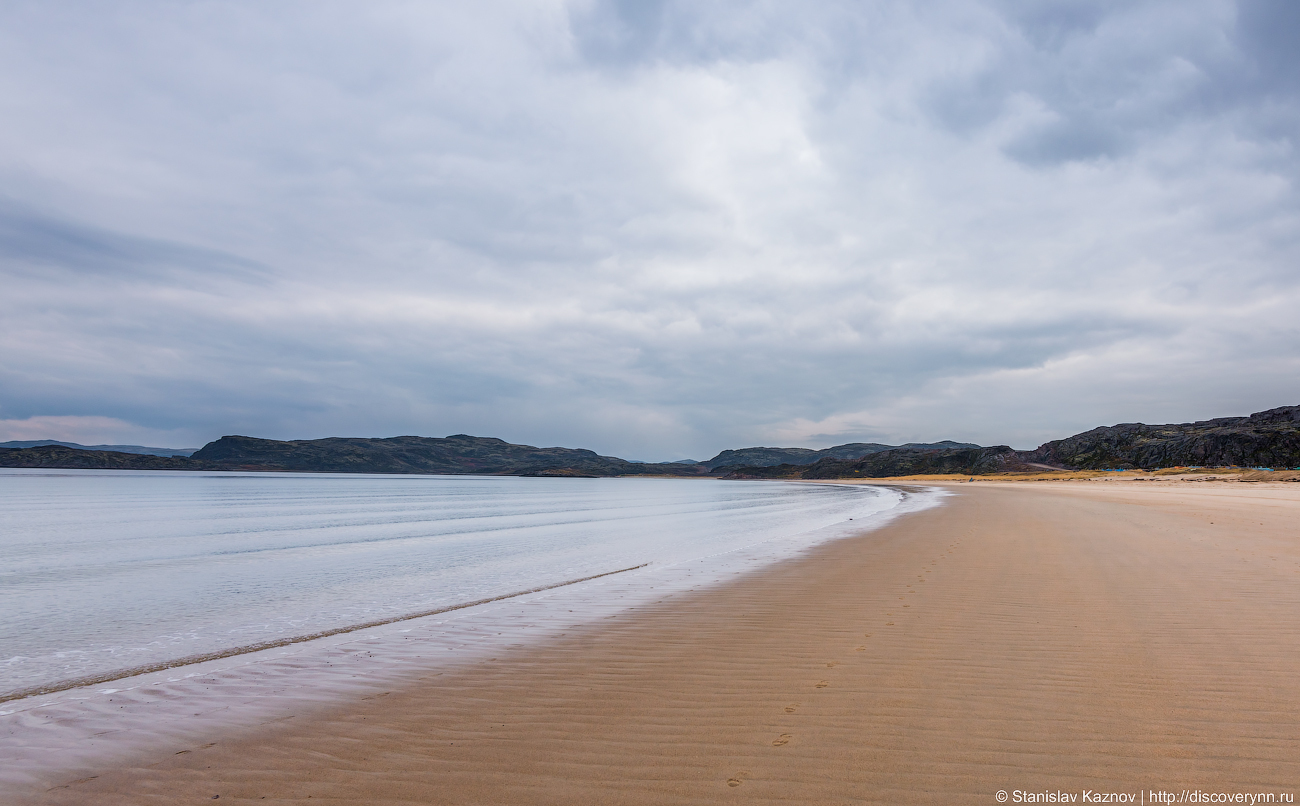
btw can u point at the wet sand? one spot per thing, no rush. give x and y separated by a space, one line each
1117 637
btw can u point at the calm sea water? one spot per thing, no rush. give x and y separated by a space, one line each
110 570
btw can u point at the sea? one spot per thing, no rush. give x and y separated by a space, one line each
107 573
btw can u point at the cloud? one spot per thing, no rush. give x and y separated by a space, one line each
1266 33
656 229
45 245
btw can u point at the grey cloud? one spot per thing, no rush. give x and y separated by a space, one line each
36 242
623 34
1050 26
650 229
1267 33
1109 75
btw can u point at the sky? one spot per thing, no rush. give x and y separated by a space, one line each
652 229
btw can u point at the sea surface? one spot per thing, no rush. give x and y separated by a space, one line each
109 571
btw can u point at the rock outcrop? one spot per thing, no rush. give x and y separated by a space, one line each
1264 439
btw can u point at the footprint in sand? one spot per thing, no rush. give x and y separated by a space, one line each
784 739
822 684
832 664
866 635
860 649
790 709
889 623
739 779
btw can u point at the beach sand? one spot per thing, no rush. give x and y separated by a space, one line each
1114 637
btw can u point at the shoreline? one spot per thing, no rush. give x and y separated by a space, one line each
222 654
43 736
1018 637
354 564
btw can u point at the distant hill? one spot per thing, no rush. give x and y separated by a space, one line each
767 457
1264 439
901 461
61 456
35 443
459 453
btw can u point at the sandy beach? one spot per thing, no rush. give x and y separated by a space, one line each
1079 636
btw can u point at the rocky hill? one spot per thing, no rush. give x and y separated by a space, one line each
456 454
766 457
61 456
36 443
1264 439
903 461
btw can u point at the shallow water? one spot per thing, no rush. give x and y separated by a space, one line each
102 571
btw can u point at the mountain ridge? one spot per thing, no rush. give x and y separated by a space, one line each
455 454
899 461
762 457
36 443
1268 438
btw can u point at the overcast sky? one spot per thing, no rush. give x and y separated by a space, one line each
654 229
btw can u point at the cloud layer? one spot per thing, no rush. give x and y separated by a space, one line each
656 229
